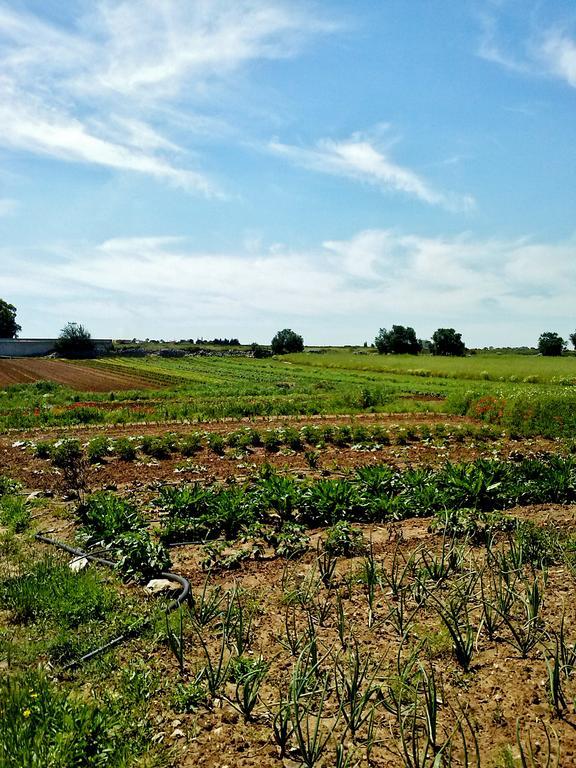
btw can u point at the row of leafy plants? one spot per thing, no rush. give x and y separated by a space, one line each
372 493
357 436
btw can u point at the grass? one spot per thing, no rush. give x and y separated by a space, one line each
48 590
479 367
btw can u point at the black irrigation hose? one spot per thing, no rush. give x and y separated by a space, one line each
184 592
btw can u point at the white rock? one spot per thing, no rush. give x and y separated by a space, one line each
78 564
155 586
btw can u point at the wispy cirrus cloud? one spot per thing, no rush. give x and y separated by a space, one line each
361 159
538 46
133 64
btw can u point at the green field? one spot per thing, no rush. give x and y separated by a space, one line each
479 367
529 394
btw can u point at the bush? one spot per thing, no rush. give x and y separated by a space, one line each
445 341
139 556
75 341
551 344
287 341
157 447
216 443
272 440
69 458
105 515
43 449
191 444
399 340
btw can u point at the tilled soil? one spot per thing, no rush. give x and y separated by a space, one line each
500 695
17 459
79 377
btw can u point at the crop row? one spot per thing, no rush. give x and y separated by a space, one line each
372 493
356 436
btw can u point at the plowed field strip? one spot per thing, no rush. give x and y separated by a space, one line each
78 377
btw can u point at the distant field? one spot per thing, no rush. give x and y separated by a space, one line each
524 394
82 378
481 367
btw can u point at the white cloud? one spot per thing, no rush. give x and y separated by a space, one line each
96 93
558 53
31 126
358 158
163 47
540 47
158 286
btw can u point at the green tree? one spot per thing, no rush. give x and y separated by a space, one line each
75 341
399 340
9 328
551 344
573 339
445 341
287 341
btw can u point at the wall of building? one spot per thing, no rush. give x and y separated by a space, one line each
39 347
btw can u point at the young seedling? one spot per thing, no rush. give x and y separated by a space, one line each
312 727
248 689
354 686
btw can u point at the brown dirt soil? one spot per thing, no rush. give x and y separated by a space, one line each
17 459
498 694
78 377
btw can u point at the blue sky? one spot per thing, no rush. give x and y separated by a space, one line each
192 168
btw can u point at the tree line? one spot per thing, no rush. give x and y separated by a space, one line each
75 341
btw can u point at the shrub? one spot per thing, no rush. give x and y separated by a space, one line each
66 453
74 341
42 449
191 444
287 341
216 443
272 440
291 541
69 458
157 447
